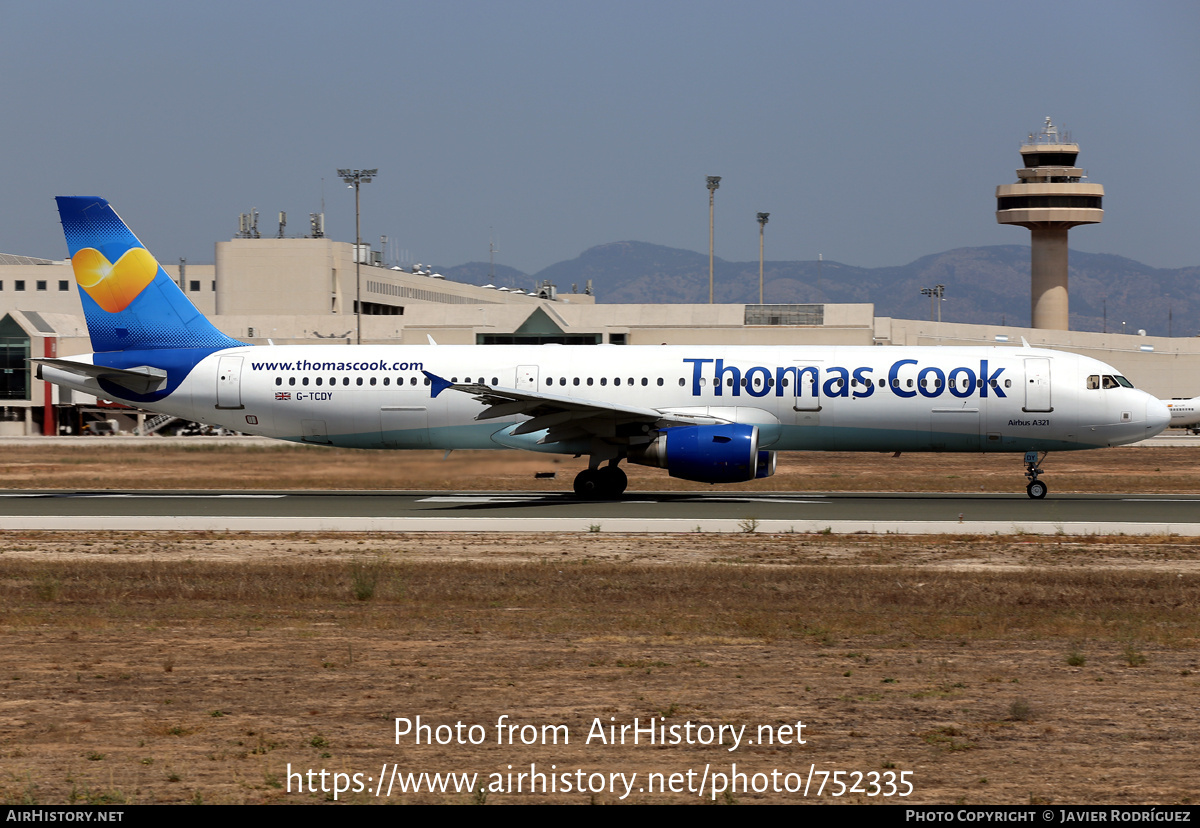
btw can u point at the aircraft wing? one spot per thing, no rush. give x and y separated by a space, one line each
565 418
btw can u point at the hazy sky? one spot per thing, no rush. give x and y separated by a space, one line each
874 133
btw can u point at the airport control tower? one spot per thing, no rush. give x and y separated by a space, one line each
1049 198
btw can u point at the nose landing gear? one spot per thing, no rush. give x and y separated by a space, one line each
1033 469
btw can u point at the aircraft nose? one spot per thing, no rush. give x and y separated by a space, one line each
1158 416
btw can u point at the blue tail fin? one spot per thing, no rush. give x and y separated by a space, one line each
129 301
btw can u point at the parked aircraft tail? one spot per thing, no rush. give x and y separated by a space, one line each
129 301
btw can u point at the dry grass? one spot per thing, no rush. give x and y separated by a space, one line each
97 463
577 598
185 667
194 667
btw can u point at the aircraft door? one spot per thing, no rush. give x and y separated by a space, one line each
1037 385
527 377
807 393
404 426
954 429
229 382
314 431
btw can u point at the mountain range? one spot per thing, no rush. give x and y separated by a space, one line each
983 285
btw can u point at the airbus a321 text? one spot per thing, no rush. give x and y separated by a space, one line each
710 414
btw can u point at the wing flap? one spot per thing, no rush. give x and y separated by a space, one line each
568 418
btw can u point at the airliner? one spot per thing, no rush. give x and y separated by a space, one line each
716 414
1185 414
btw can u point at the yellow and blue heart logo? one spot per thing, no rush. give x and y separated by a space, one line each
114 286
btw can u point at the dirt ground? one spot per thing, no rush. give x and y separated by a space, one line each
146 463
153 667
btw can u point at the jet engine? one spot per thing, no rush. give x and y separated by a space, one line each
726 453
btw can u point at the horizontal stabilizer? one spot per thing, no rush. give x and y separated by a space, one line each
141 380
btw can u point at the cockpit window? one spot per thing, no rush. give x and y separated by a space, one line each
1093 382
1110 382
1126 383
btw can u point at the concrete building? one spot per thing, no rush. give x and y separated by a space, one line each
1050 198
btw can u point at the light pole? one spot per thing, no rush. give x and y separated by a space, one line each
934 293
354 178
714 181
762 223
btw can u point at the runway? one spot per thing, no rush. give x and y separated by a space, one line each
723 511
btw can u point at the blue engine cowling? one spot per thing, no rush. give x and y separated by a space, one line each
726 453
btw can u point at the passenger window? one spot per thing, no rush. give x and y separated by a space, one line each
895 383
358 381
304 381
495 381
646 382
318 380
617 381
575 381
589 380
1008 383
562 380
279 380
373 380
910 383
682 382
291 380
549 381
604 380
388 380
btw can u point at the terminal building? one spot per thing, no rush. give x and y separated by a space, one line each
296 291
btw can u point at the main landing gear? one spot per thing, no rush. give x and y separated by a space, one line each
604 483
1033 469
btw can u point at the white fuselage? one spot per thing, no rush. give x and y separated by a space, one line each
863 398
1184 413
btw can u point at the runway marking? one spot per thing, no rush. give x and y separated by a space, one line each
148 496
1159 500
482 499
763 500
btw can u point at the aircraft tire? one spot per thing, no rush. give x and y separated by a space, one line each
613 482
588 483
1036 490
